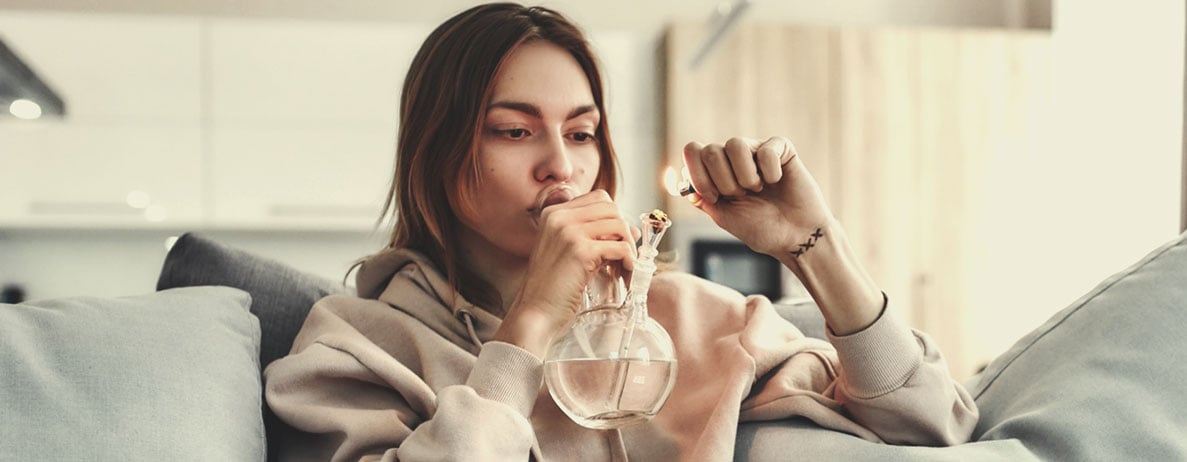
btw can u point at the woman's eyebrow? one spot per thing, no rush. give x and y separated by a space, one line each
579 110
534 111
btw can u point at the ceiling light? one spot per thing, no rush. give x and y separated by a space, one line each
25 109
26 95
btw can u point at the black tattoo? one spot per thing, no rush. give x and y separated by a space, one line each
809 244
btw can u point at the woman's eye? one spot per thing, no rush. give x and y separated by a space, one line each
582 137
515 133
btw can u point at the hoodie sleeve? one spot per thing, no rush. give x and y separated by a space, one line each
488 417
894 381
354 400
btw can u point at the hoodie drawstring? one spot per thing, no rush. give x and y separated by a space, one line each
469 320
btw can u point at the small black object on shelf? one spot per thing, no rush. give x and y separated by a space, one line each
12 293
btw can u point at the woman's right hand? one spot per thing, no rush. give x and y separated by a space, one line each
576 237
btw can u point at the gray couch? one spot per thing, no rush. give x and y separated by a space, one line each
175 374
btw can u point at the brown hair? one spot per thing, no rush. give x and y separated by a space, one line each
444 99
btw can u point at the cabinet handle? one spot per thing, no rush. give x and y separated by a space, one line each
82 208
335 211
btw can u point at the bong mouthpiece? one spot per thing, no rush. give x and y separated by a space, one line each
655 223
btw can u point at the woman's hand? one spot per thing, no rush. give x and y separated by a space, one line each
758 191
576 237
761 193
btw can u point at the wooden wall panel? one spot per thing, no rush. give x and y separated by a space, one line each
898 126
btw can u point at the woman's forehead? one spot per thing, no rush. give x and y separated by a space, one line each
543 75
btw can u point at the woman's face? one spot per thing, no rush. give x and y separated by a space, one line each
538 131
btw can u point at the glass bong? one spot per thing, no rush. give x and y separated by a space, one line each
615 365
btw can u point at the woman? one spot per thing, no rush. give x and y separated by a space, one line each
439 355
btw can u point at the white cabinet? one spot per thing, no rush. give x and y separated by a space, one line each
111 68
94 175
216 122
133 99
304 120
280 177
200 122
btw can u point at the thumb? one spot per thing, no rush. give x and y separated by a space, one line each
703 205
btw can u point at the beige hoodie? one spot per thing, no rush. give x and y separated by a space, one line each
402 372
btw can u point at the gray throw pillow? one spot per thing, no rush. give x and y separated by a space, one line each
281 296
171 375
804 315
1102 379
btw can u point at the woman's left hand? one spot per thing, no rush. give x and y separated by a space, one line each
758 191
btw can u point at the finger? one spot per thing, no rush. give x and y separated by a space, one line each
607 251
706 190
594 205
594 254
772 155
593 197
741 158
636 234
718 166
608 230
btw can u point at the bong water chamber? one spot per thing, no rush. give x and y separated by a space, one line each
615 365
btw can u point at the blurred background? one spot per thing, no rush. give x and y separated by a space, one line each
991 161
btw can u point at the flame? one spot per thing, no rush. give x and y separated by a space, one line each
671 181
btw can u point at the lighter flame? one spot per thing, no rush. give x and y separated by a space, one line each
671 180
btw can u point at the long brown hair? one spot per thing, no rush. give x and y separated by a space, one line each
444 100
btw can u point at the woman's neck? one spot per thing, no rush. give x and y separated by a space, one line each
507 281
502 270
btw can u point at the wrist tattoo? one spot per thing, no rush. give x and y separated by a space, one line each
808 244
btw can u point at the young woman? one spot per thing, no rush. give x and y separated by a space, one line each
438 357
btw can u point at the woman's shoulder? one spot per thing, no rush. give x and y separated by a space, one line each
350 309
346 302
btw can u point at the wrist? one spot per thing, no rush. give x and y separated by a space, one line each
529 329
824 262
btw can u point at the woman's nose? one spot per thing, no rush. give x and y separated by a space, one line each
556 163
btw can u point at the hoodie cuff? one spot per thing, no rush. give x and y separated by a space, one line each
880 358
507 374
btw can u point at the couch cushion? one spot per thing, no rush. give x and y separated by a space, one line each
172 375
1102 379
801 439
281 295
805 315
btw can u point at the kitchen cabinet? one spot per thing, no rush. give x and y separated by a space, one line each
114 68
287 178
220 123
303 121
128 154
109 176
214 123
901 127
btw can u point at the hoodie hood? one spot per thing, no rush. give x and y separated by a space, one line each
409 282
